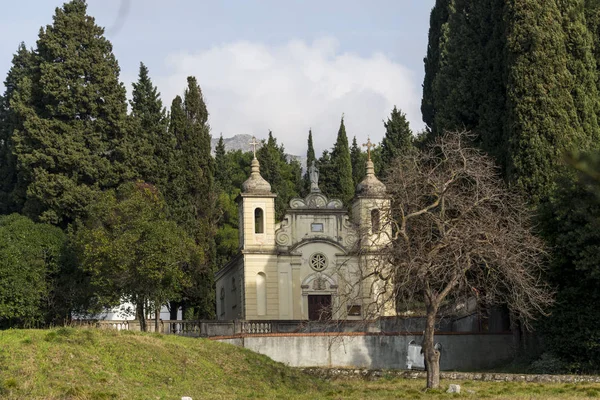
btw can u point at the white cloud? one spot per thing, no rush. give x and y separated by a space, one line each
251 88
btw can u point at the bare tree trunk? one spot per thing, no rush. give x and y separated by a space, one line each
156 316
431 355
141 315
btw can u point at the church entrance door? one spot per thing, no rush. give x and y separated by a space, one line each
319 307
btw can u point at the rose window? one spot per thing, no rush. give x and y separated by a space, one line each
318 261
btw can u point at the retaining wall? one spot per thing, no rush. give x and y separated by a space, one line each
377 351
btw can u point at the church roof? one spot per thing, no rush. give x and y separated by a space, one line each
370 185
256 184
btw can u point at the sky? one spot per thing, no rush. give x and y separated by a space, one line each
286 66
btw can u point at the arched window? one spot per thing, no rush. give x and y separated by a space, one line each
375 221
261 294
259 224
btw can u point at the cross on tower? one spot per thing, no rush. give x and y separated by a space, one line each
254 143
369 146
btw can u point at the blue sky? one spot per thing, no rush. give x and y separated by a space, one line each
281 65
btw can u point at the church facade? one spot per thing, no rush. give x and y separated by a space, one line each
312 265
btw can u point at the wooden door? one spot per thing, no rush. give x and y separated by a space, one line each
319 307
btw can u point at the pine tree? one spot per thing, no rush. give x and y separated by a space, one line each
11 200
343 188
73 109
358 160
310 158
397 139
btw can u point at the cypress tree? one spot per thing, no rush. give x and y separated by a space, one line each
541 117
310 158
151 145
285 177
73 111
222 173
398 137
582 67
11 200
343 188
327 175
438 25
358 160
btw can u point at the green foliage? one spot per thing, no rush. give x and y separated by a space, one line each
398 138
11 199
438 35
147 149
30 258
336 170
359 163
310 159
542 116
131 250
285 177
72 110
519 73
570 222
190 193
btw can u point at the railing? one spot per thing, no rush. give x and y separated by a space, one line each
256 327
207 328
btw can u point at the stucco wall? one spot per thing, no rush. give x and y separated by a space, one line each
459 351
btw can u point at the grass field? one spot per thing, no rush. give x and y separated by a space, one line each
92 364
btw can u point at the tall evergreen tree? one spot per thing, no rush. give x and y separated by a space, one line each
73 110
327 176
438 25
397 139
285 177
541 116
149 143
222 177
582 67
310 158
11 200
198 205
343 188
358 160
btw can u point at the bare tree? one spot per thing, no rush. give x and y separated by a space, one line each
457 232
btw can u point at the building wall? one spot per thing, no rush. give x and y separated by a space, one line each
229 293
459 351
266 264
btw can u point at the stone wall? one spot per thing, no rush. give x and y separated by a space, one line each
344 373
377 351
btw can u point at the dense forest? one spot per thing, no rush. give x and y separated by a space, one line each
87 175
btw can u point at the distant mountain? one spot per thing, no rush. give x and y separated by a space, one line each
242 142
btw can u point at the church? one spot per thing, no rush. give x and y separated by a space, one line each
315 264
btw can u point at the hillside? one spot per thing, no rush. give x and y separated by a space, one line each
94 364
69 363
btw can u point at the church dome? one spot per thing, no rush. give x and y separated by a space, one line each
370 185
256 184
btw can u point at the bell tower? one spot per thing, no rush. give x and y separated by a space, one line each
371 207
256 210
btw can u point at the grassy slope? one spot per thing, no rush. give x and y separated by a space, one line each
92 364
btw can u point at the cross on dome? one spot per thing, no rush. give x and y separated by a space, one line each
254 143
369 146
